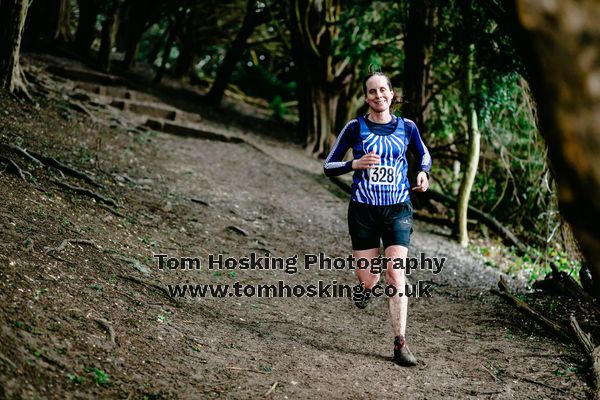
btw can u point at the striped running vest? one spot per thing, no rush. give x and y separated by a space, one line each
387 183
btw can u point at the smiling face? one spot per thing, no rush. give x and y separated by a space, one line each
379 95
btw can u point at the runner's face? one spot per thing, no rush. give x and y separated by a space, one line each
379 96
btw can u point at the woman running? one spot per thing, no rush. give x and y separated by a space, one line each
380 207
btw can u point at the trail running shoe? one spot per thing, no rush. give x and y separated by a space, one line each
402 354
362 298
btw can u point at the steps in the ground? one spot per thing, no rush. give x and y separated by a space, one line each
149 109
189 131
117 92
85 75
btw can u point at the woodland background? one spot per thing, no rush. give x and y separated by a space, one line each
506 94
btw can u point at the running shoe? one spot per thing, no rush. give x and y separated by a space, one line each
402 354
362 298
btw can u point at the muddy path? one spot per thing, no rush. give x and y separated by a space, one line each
94 319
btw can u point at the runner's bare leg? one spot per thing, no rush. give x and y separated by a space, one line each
397 305
364 275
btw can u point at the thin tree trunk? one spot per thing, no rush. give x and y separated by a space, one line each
131 50
321 78
561 48
109 32
474 139
167 51
12 22
234 54
416 89
63 25
418 49
185 62
86 25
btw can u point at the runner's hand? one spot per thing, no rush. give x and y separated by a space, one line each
369 160
422 182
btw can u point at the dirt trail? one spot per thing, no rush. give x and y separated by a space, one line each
249 196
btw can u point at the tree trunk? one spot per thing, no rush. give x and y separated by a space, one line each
185 62
468 178
167 51
474 141
131 50
135 17
324 108
418 49
321 78
86 25
234 54
12 22
561 48
63 33
109 32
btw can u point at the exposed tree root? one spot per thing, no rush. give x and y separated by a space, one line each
112 210
104 324
135 263
19 88
23 152
77 106
51 161
150 285
87 192
46 161
64 244
14 167
8 362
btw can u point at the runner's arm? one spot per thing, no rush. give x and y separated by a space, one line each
334 164
418 147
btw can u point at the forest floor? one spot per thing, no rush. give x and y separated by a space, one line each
93 319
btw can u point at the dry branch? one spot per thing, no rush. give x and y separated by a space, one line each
524 308
584 340
480 216
271 389
562 283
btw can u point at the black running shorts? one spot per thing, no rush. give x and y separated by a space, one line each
369 224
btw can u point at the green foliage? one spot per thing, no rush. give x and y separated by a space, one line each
100 377
260 81
537 266
76 379
278 107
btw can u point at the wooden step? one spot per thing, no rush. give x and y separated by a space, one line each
155 110
188 131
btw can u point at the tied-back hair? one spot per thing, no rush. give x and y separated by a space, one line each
396 99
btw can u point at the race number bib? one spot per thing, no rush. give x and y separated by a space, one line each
382 175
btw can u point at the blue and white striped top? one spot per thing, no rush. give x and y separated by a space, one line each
388 183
